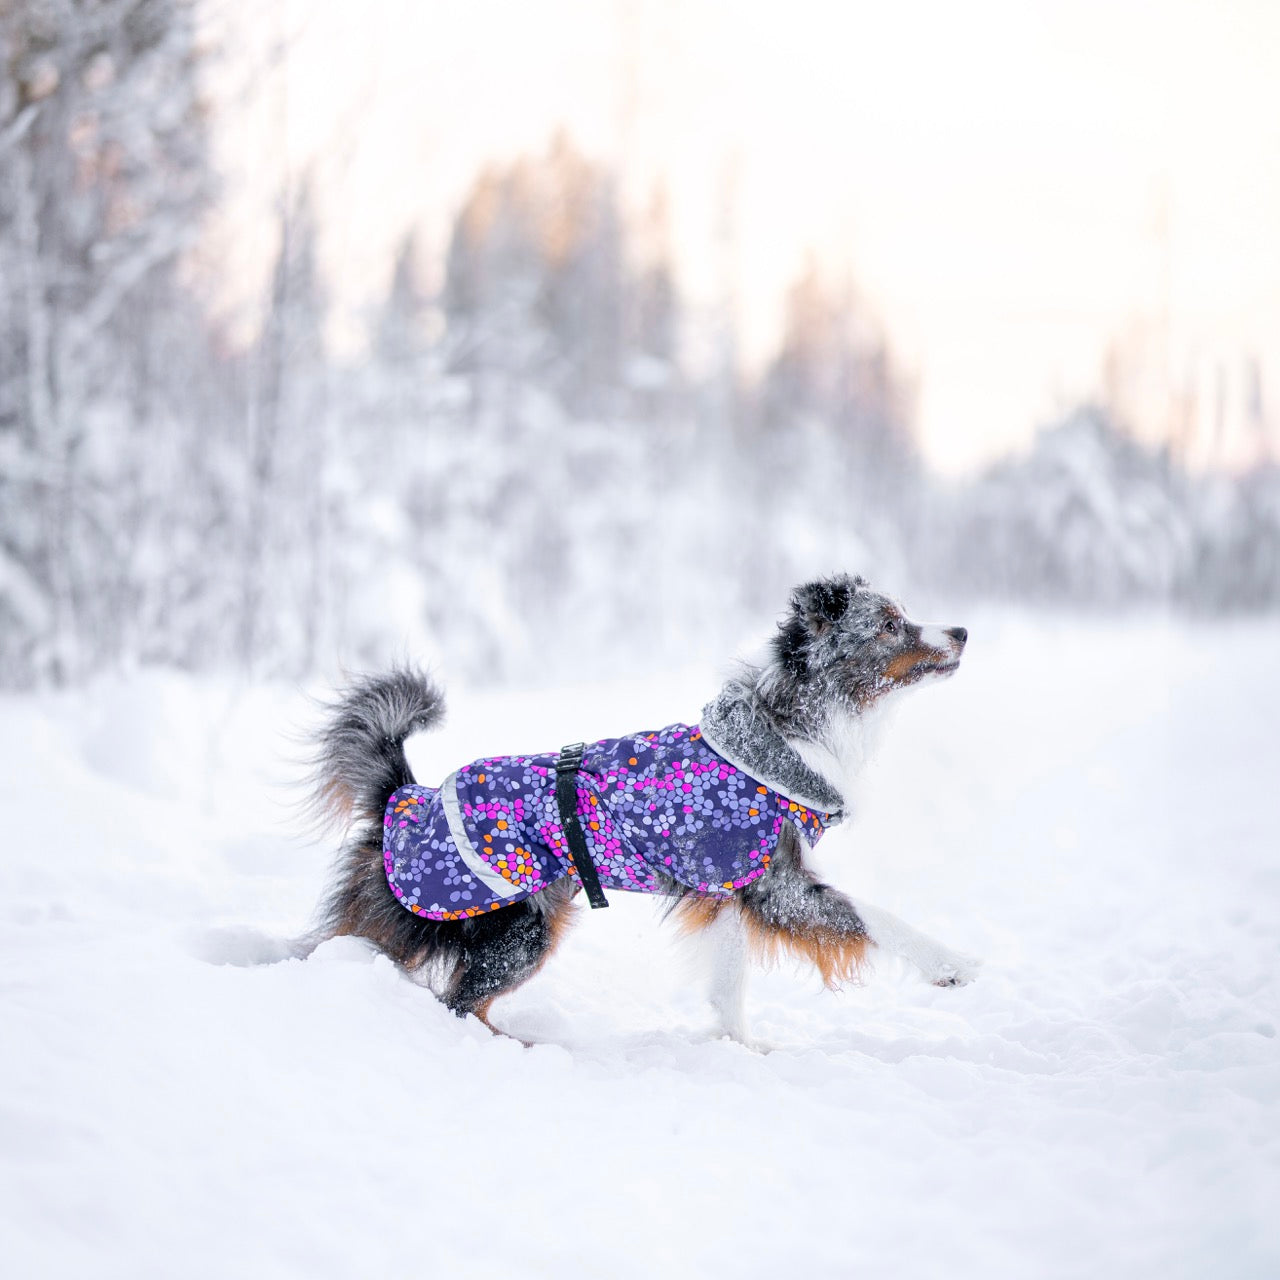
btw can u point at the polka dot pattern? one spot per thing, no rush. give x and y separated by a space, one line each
422 862
653 806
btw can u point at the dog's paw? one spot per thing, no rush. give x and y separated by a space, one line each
951 969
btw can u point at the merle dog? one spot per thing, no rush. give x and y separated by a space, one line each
469 886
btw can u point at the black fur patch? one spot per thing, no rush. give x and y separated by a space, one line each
815 608
791 645
825 600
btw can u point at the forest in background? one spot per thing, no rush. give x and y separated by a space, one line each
523 474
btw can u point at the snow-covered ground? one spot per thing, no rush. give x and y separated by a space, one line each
1092 807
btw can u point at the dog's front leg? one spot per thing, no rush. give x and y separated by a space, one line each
940 965
790 908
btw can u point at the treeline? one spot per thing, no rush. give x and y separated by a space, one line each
524 473
1090 518
519 469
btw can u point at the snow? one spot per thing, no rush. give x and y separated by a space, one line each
1088 806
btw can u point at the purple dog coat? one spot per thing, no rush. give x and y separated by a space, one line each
654 807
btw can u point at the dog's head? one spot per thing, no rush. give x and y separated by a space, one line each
843 645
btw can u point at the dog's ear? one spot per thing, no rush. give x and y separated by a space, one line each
816 607
820 605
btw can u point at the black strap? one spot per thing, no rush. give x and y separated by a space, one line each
567 766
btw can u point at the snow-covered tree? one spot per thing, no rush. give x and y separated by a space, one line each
1087 516
286 523
1235 559
102 183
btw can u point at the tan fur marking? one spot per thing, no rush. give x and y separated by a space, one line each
559 921
698 912
837 957
334 801
482 1012
899 669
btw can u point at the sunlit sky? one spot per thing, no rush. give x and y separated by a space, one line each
1012 187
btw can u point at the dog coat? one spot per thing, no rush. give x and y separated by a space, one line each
654 807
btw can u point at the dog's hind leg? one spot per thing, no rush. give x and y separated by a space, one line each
723 944
502 950
728 941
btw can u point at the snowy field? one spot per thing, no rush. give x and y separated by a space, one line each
1093 808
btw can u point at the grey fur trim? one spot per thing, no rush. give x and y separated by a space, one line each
738 726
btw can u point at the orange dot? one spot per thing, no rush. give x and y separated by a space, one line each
480 778
632 760
755 813
502 822
761 790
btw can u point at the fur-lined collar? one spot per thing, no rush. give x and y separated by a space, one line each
737 726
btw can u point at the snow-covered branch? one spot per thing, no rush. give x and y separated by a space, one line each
13 132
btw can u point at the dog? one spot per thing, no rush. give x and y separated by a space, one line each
470 886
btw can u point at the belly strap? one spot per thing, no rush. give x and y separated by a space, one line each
567 766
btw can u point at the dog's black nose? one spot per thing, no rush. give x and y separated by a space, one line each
958 634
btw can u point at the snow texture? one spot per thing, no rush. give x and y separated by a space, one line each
1091 808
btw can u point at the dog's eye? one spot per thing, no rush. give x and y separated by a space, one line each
890 627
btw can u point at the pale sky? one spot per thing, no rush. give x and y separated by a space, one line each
1011 186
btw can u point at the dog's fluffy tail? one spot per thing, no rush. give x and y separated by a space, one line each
360 756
